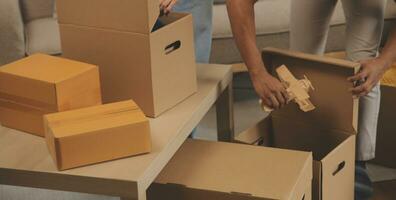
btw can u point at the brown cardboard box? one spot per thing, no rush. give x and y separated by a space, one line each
156 69
328 131
40 84
226 171
386 132
386 137
96 134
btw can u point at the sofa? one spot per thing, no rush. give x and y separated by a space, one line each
27 27
272 22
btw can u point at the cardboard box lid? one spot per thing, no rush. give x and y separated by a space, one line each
335 107
236 168
32 80
74 122
123 15
46 68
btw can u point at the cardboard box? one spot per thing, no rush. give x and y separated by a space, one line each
96 134
386 131
386 137
41 84
216 171
328 132
156 69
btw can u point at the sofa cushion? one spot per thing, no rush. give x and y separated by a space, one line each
35 9
42 36
12 42
273 17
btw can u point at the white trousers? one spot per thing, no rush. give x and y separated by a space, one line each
310 21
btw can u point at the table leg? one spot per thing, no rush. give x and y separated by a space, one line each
225 115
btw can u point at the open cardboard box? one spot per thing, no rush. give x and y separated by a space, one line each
225 171
328 131
156 69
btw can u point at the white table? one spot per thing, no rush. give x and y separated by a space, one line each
25 161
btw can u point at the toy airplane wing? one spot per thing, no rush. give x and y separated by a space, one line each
305 105
285 75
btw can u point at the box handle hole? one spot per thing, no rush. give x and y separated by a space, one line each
172 47
339 168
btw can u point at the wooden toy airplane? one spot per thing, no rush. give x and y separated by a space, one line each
297 90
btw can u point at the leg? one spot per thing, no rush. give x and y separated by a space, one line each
225 116
309 24
202 14
365 20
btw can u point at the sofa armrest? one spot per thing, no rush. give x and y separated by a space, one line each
12 42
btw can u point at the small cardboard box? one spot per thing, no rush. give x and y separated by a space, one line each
96 134
156 69
328 132
41 84
225 171
386 131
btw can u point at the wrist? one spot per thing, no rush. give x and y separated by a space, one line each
387 60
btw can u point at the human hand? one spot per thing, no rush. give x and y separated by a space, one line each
167 5
270 90
370 74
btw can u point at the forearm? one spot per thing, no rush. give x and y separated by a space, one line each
388 53
241 14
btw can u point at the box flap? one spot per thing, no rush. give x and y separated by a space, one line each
33 79
83 120
257 171
137 16
335 107
261 133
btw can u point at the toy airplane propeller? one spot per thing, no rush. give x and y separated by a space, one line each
297 90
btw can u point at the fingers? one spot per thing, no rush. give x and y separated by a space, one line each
275 102
358 77
281 99
362 90
267 102
167 5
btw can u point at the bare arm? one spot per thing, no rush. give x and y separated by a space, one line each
241 14
372 70
389 52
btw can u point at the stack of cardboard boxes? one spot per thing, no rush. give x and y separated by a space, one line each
67 95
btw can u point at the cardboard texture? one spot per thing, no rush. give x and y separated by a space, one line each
216 171
96 134
386 137
328 131
155 69
41 84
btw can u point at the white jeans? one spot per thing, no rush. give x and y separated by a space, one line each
365 18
